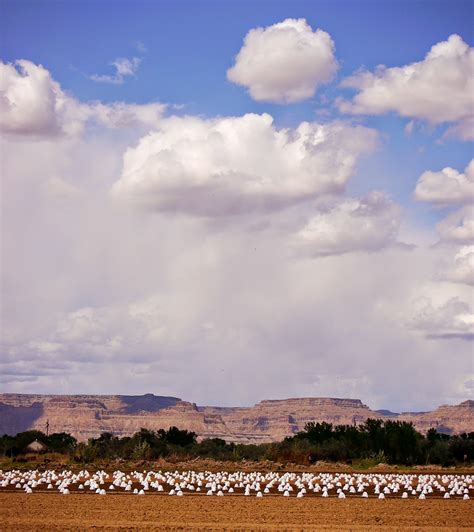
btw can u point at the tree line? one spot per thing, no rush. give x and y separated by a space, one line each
393 442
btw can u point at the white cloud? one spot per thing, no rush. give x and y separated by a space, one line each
123 68
98 298
461 270
463 130
447 186
458 227
285 62
120 114
32 104
437 89
141 47
109 331
226 305
409 128
452 319
450 187
232 165
368 224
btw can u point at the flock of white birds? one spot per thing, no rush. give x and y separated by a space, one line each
255 484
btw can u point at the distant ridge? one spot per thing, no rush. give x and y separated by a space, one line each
86 416
387 413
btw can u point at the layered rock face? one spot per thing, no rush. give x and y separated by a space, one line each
87 416
448 419
273 420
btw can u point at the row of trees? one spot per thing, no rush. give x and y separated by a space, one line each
395 442
59 442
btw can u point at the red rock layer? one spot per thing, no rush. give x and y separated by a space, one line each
86 416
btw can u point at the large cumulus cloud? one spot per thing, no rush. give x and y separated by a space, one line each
100 299
233 165
437 89
285 62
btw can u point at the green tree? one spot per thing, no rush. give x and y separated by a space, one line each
175 436
317 432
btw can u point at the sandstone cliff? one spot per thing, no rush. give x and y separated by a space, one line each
86 416
446 418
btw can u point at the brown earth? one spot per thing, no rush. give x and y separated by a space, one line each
50 511
60 462
86 416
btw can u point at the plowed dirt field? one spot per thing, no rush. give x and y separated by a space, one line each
51 511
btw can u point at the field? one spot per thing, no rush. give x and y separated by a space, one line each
180 500
49 511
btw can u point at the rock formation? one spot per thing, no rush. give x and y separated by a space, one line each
86 416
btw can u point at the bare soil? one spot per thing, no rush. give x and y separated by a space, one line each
58 461
51 511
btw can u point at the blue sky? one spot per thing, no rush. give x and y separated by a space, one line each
143 199
196 41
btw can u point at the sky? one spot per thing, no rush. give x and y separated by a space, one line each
235 201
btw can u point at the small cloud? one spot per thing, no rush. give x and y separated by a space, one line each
436 90
367 224
458 227
447 186
461 268
284 63
141 47
453 320
409 128
123 68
